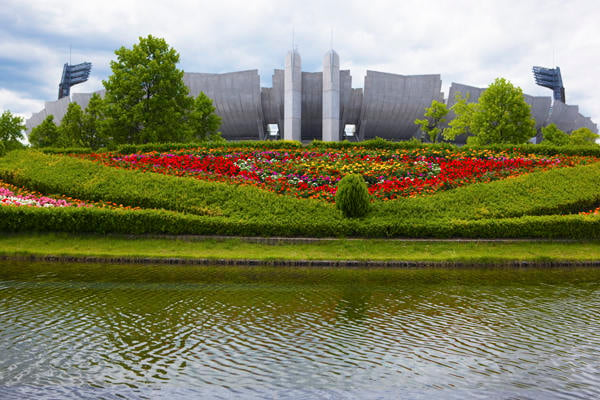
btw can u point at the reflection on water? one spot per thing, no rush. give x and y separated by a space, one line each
72 331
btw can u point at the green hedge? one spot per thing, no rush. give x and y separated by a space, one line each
165 147
87 180
557 191
372 144
92 220
480 210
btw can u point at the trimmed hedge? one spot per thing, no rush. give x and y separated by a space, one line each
91 220
165 147
87 180
557 191
372 144
199 207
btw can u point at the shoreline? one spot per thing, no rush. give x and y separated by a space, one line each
398 264
296 252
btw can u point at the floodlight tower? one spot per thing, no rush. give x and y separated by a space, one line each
550 78
72 75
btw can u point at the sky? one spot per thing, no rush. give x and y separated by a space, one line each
469 42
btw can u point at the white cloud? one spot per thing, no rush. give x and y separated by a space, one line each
18 103
467 41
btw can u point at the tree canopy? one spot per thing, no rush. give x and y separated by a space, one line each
435 118
583 136
11 130
93 135
461 123
45 134
500 116
202 121
552 135
71 127
146 98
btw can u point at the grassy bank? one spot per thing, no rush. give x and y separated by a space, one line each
336 250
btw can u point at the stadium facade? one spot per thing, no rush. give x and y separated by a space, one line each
324 105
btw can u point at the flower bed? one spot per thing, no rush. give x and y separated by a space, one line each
11 195
595 211
315 173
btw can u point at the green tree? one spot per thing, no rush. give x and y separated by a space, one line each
461 124
352 196
552 135
45 134
71 127
202 121
583 136
502 115
93 135
11 130
146 99
435 117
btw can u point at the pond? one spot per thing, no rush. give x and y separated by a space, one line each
139 331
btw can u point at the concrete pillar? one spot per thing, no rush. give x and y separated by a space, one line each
331 97
292 105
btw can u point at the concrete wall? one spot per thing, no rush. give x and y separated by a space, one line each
331 97
83 99
312 105
540 109
272 102
57 108
392 102
351 111
36 119
237 99
465 90
292 100
568 118
386 107
586 122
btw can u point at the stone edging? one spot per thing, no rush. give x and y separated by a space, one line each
293 263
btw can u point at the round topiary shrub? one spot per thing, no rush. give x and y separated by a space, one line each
352 196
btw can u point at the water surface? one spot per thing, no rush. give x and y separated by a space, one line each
109 331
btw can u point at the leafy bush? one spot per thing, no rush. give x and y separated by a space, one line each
45 134
554 136
352 196
92 220
583 136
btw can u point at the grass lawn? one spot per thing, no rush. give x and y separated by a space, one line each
57 244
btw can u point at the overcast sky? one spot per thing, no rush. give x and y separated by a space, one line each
469 42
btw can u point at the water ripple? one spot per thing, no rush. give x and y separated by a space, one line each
147 335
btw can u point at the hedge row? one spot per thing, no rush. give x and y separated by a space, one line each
164 147
527 148
372 144
558 191
90 220
87 180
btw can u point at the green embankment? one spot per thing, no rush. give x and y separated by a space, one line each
475 252
528 206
